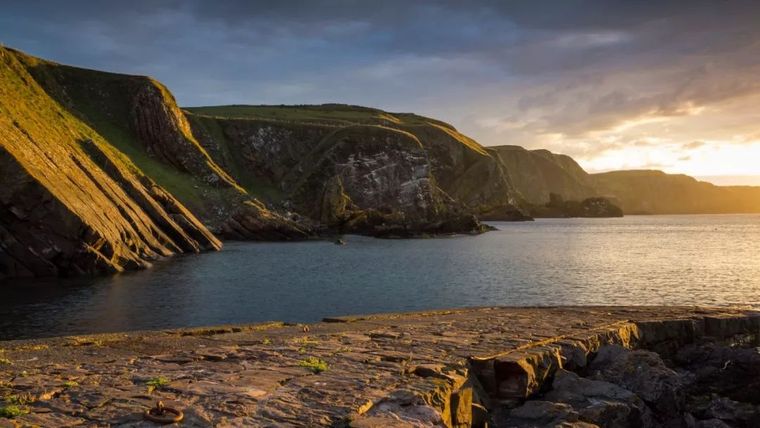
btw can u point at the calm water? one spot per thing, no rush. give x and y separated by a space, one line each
637 260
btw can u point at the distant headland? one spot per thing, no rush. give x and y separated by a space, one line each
104 172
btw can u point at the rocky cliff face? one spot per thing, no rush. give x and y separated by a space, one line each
139 117
357 169
163 130
103 166
69 203
369 167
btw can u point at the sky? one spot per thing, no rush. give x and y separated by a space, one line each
617 84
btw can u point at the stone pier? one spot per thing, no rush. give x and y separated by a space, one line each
437 368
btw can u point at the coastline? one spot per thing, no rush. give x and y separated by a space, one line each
429 367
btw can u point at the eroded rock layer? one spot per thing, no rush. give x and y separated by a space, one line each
140 117
69 203
358 169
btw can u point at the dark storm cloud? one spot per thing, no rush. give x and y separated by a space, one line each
565 67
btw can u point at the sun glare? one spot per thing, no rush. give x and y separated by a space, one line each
713 158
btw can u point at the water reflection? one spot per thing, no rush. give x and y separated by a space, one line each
633 260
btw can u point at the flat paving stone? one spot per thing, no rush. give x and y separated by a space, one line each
348 371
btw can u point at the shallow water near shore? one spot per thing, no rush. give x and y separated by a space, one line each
635 260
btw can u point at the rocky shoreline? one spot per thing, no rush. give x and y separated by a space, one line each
568 366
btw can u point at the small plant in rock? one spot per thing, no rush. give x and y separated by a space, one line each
266 341
156 383
316 365
86 341
69 384
32 348
19 400
12 411
306 341
341 350
5 362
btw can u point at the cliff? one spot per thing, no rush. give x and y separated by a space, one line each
139 117
655 192
70 203
537 174
357 169
105 172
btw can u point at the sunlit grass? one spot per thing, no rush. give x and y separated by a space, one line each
70 384
314 364
12 411
19 399
156 383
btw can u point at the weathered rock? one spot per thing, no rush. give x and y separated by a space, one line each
733 412
537 413
162 128
732 372
712 423
520 375
599 402
369 171
643 373
254 375
252 220
370 168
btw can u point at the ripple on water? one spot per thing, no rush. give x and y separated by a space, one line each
636 260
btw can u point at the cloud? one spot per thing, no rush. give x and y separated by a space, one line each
693 145
585 77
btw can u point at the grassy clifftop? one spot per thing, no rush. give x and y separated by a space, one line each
107 102
70 203
330 114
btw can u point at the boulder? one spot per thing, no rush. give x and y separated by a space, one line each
643 373
599 402
733 412
732 372
536 413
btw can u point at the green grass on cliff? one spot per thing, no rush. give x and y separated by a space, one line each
102 100
231 153
185 187
333 114
314 364
337 115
